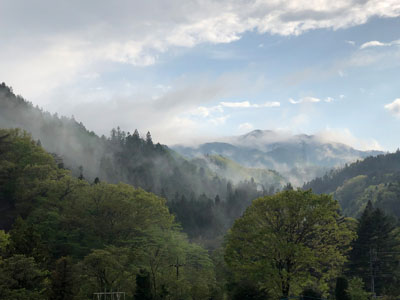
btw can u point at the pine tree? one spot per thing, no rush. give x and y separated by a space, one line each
149 140
373 250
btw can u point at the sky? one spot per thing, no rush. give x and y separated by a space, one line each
196 70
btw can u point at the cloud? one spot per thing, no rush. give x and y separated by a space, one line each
345 136
205 112
173 116
245 126
394 107
352 43
247 104
72 38
329 99
305 100
379 44
219 120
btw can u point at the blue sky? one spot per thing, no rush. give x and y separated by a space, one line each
190 71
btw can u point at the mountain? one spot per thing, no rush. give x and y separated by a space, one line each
204 190
375 179
234 172
299 158
121 157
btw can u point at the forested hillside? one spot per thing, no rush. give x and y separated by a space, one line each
375 179
69 238
62 237
299 158
203 190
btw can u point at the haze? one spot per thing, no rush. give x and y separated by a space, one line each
196 70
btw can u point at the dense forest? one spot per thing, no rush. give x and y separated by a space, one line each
375 179
66 237
197 188
140 219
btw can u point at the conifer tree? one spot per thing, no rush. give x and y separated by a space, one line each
374 249
149 140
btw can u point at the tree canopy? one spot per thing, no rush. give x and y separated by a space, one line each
289 241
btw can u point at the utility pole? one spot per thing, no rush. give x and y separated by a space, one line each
177 266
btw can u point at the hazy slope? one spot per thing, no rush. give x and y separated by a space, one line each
231 170
300 158
121 157
375 178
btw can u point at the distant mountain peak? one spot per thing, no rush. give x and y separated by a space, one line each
298 157
258 132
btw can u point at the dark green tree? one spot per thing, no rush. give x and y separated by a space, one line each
341 289
22 279
143 286
149 140
374 249
62 280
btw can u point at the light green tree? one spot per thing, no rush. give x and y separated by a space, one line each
356 289
289 241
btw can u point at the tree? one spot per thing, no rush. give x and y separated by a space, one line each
143 286
310 294
62 280
376 243
356 289
21 278
289 241
341 289
108 269
149 140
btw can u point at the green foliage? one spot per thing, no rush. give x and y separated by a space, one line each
310 294
74 238
4 241
231 170
22 279
143 286
376 247
374 179
121 157
289 241
356 289
341 289
246 290
62 280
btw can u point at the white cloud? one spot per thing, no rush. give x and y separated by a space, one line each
305 100
204 112
329 99
245 126
75 37
351 43
394 107
345 136
379 44
247 104
219 120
